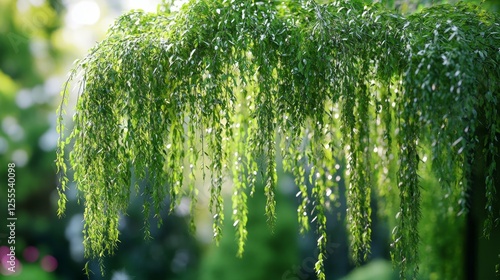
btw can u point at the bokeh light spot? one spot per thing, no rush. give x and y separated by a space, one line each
20 157
84 13
10 265
31 254
49 263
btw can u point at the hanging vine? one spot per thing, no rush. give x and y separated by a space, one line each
228 86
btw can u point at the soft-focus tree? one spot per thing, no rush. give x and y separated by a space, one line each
233 85
27 136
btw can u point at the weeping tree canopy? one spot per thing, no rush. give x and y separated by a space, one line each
230 86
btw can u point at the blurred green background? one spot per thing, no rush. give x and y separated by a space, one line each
39 40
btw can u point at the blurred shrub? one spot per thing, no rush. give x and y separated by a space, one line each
267 256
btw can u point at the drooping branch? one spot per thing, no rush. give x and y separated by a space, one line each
230 86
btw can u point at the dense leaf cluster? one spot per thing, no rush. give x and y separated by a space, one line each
235 85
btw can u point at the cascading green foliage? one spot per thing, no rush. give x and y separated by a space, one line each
227 87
